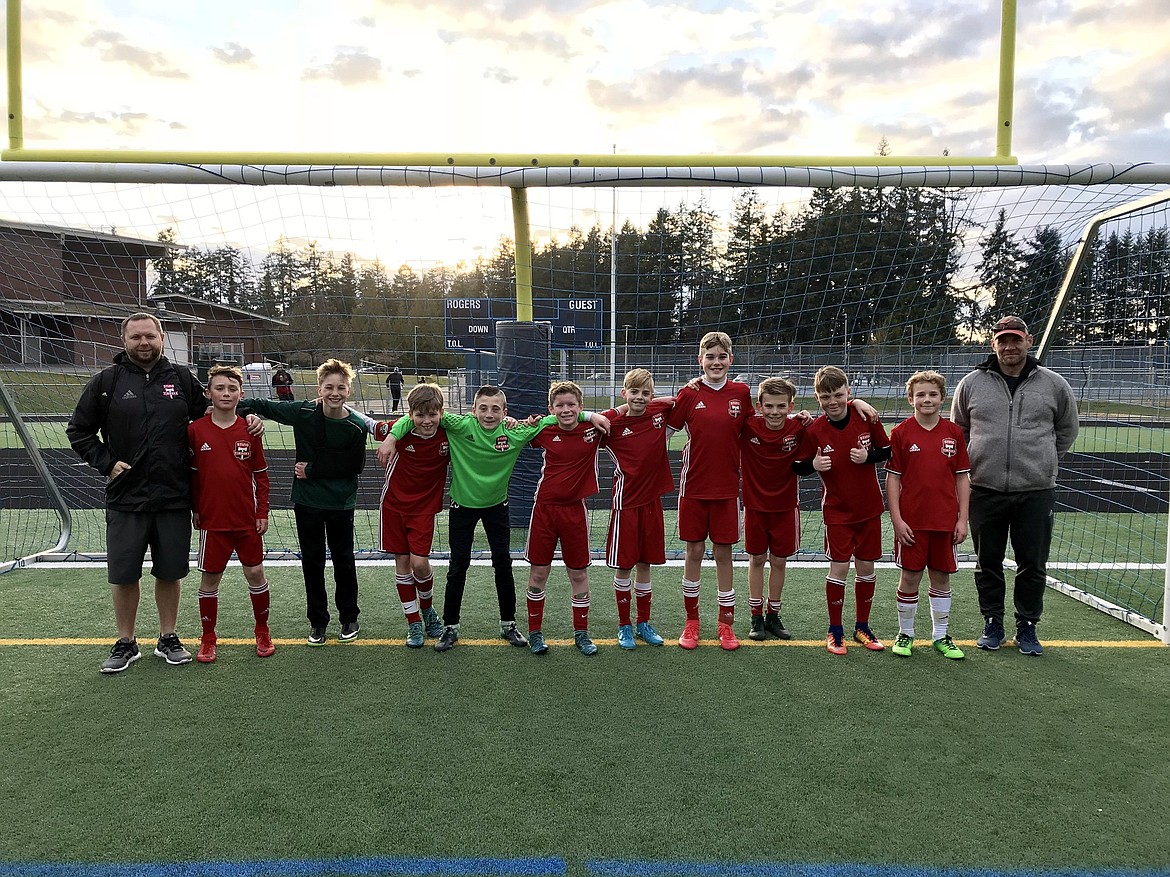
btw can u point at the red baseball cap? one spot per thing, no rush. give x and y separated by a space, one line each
1009 325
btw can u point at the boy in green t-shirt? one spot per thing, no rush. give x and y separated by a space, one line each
330 444
483 454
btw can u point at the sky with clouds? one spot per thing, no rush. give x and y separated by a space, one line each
737 76
783 77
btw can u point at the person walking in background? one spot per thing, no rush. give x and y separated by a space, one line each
394 382
1019 418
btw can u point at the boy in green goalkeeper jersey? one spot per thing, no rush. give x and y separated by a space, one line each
483 453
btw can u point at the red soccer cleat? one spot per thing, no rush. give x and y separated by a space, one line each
866 637
206 651
727 640
835 642
264 646
689 639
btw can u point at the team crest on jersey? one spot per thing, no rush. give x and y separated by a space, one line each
443 448
170 391
949 448
659 420
243 450
865 442
735 408
790 442
590 435
502 443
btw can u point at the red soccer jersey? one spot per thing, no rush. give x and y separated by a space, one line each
637 445
849 491
766 456
229 476
569 473
416 475
714 420
927 460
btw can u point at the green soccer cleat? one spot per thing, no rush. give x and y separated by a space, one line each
415 638
903 645
584 643
946 647
432 623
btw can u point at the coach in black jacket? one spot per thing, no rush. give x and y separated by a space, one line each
131 425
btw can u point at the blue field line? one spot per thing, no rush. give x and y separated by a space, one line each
368 866
637 868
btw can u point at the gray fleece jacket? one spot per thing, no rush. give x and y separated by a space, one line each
1015 441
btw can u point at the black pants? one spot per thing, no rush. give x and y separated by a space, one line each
1026 519
315 529
462 521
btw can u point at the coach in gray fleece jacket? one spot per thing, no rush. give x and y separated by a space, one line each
1019 419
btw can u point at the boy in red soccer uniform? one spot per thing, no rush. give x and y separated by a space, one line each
928 487
567 477
713 410
229 492
844 448
641 475
769 446
411 497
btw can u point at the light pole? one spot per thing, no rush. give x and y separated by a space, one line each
416 380
626 348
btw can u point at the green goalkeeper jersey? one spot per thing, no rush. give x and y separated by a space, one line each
481 460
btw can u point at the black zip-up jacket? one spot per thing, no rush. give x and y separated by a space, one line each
139 417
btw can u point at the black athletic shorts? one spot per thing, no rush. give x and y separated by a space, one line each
129 534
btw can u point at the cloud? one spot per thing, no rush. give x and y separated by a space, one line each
500 74
660 88
233 53
123 123
114 47
769 131
545 42
351 66
506 10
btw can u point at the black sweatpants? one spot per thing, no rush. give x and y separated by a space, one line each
1025 519
462 521
317 528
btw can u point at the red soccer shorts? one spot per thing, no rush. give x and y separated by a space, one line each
216 547
861 540
406 534
552 522
717 519
931 549
778 532
636 535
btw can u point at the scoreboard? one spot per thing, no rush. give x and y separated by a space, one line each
469 324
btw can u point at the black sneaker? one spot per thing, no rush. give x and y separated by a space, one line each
172 650
348 633
122 655
448 639
1026 639
775 626
757 631
317 636
993 635
512 635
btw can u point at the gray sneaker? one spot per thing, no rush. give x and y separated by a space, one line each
448 639
122 655
584 643
170 648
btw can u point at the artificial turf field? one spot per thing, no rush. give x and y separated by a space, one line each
374 759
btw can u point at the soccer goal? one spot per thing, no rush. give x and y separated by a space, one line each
880 270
